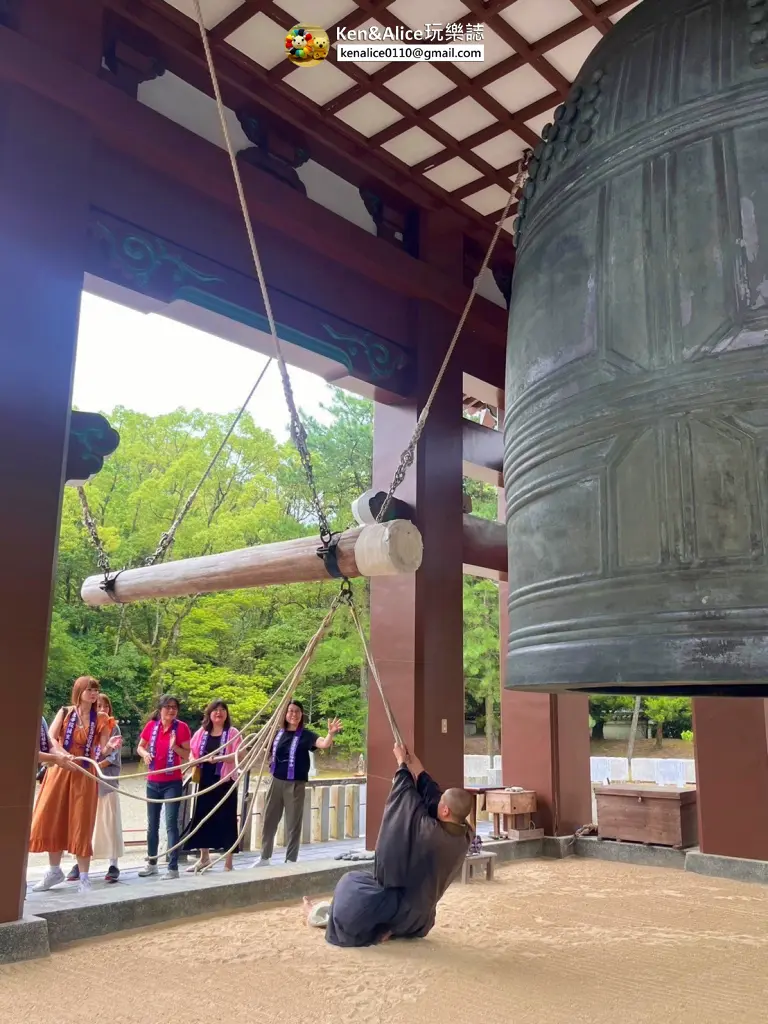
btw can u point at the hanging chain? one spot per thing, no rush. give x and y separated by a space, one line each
90 525
299 436
167 538
409 455
298 433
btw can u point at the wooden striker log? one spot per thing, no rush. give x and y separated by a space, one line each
383 549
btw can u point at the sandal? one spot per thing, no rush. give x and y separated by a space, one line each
195 868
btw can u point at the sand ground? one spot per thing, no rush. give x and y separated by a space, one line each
560 942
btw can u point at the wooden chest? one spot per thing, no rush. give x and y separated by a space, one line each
661 815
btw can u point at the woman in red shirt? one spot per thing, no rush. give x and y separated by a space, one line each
163 745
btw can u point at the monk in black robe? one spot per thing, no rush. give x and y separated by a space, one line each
422 844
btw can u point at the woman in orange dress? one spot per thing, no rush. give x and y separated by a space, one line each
65 811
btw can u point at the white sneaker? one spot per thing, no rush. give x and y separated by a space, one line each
85 884
52 877
263 863
171 874
148 871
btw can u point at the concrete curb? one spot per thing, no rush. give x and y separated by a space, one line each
735 868
117 910
630 853
26 939
108 913
558 847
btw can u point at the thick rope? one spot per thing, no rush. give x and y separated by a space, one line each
377 678
262 744
167 538
299 435
408 456
297 428
298 432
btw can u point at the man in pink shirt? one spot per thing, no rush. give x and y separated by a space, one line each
163 746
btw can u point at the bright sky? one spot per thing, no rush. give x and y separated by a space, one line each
154 365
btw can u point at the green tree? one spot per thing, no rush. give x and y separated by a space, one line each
481 654
236 645
665 711
604 707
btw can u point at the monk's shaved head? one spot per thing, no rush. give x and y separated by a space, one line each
459 803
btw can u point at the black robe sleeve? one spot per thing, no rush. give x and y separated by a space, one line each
430 793
405 814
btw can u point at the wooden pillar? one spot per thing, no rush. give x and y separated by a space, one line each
416 621
732 776
44 161
545 744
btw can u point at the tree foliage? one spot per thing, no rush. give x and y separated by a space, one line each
236 645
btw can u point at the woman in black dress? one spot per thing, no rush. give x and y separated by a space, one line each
217 736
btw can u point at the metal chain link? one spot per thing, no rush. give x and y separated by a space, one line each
90 525
168 537
298 433
166 540
409 455
299 437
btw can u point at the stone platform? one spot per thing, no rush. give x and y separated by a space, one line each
62 916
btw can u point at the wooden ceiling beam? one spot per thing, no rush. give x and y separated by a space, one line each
160 146
235 20
521 46
509 64
588 10
413 118
366 9
244 83
340 102
465 87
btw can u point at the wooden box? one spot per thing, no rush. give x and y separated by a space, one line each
498 801
511 814
658 815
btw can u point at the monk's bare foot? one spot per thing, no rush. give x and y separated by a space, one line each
306 907
386 937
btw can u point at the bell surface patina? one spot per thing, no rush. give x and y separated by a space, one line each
636 436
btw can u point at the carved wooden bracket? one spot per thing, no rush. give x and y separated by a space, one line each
127 68
276 150
394 223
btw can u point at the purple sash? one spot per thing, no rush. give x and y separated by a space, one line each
70 731
291 753
45 746
170 763
222 747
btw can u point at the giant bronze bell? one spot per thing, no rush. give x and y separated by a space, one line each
636 437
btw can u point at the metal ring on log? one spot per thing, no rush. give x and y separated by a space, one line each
390 549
